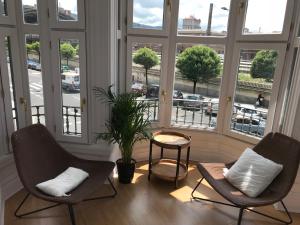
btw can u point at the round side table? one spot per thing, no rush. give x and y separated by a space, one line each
169 169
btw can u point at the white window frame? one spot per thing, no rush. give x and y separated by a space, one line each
281 49
55 55
166 21
163 103
56 23
10 18
241 19
19 92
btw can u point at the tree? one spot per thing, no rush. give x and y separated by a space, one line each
263 64
147 58
199 63
35 46
28 49
67 51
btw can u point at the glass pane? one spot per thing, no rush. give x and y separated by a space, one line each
3 8
198 75
67 10
260 17
203 18
146 72
148 14
70 85
30 12
253 91
11 81
35 78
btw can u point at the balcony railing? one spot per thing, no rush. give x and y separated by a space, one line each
196 113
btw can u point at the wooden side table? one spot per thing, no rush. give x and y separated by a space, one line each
169 169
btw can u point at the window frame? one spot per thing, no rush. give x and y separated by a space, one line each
241 19
21 109
56 23
55 56
140 31
10 18
163 103
281 49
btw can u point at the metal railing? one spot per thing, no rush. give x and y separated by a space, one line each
200 113
152 109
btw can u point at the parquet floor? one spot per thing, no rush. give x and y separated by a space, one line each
143 203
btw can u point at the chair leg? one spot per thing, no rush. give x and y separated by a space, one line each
106 196
72 217
31 212
274 218
240 216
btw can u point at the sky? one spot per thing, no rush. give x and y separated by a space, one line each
264 15
66 4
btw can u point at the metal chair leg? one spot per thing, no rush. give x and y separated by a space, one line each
106 196
240 216
72 217
31 212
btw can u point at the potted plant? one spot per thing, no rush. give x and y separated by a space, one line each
128 124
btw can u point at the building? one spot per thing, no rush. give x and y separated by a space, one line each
191 23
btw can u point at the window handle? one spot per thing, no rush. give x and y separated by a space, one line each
229 99
23 102
82 104
241 6
169 4
163 94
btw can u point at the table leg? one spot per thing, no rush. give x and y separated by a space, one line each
150 160
177 167
188 157
161 152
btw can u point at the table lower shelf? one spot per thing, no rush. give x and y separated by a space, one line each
166 169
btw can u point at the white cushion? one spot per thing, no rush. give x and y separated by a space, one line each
63 183
252 173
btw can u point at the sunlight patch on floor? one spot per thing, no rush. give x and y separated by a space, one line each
183 194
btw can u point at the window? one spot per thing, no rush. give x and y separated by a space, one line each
68 55
3 8
11 82
198 75
258 20
67 10
35 77
148 14
203 18
212 62
146 75
30 11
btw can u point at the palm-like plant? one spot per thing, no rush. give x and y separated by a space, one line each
129 122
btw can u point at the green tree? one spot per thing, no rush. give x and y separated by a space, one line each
263 64
77 49
28 49
147 58
35 47
67 51
199 63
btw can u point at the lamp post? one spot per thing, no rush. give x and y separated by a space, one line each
211 7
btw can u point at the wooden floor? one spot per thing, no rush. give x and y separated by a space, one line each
143 203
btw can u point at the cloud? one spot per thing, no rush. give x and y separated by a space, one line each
151 16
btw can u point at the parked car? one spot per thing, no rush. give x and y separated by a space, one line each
70 81
249 125
64 68
138 88
152 91
193 102
33 65
177 98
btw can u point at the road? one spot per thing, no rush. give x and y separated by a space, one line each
36 91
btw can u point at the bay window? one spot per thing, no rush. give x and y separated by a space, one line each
228 90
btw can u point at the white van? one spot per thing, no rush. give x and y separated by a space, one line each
70 81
